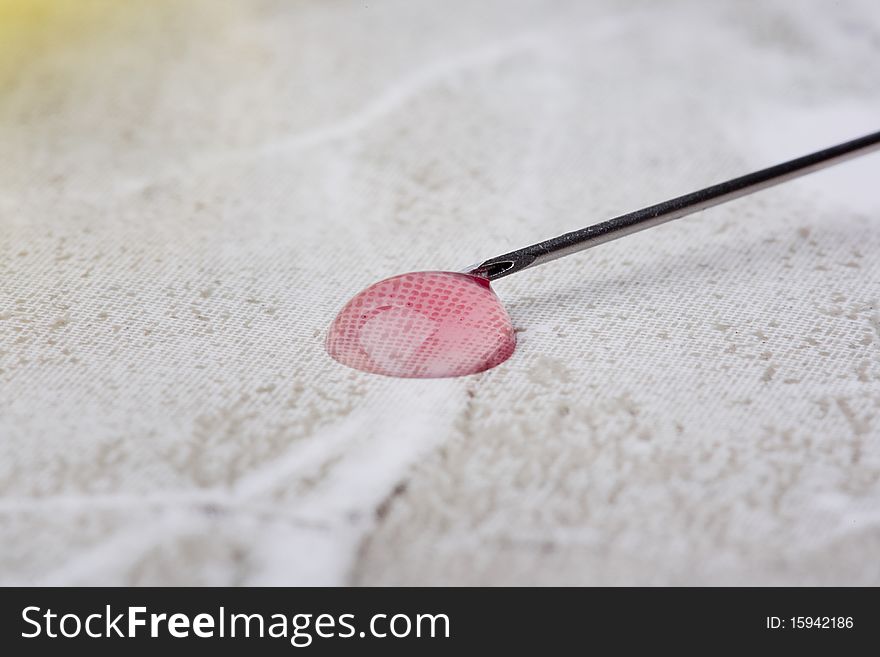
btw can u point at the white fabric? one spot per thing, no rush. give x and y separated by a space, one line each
189 191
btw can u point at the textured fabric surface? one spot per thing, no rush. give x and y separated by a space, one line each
190 191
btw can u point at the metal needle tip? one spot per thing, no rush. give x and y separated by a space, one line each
654 215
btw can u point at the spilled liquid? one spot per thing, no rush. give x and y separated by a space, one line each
423 325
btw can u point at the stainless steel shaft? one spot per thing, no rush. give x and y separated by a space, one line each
654 215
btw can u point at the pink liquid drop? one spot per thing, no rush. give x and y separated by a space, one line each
423 325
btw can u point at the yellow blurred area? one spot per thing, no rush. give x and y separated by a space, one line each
29 28
33 30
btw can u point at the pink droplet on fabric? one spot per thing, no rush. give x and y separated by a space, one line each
426 324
